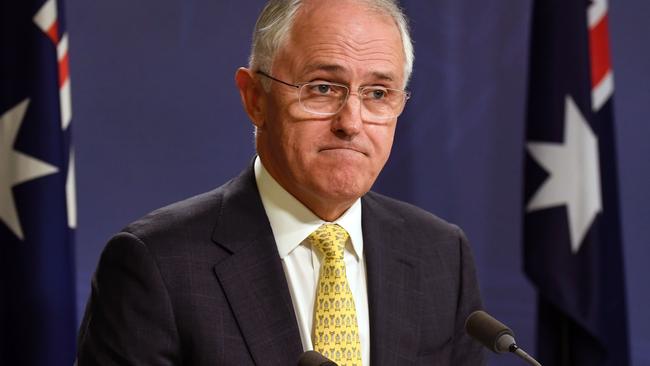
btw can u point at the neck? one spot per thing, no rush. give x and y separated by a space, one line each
326 208
328 212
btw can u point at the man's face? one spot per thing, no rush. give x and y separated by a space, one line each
328 162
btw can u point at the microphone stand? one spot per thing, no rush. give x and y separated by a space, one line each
522 354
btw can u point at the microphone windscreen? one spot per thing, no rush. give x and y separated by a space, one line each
487 330
313 358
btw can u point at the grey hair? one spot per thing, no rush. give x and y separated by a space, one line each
277 17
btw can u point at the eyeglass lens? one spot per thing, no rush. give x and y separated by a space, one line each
326 99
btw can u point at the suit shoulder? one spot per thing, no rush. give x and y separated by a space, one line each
192 219
190 211
412 215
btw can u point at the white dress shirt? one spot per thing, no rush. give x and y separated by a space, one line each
292 223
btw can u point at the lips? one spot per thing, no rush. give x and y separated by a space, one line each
342 149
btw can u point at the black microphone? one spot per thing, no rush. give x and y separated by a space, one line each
495 335
313 358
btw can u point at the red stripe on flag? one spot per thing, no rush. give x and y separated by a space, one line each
599 49
64 70
53 32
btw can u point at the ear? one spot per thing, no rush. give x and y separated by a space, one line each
253 96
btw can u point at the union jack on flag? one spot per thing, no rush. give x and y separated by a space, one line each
572 231
37 189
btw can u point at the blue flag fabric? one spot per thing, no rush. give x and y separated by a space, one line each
573 247
37 211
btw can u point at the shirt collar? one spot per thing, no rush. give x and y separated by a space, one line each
292 222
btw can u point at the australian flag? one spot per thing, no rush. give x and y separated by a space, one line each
37 191
573 248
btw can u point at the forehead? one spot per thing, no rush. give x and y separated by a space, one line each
342 37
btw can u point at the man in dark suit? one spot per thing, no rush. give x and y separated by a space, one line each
236 276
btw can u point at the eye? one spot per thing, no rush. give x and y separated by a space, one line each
320 88
376 93
323 88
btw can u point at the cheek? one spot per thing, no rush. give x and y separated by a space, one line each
286 136
298 143
381 139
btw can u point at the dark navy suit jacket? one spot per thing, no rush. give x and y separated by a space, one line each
201 283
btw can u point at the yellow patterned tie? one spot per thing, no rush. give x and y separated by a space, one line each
335 329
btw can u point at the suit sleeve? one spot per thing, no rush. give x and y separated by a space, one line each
129 318
467 352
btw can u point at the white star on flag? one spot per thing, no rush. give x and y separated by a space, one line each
574 171
15 167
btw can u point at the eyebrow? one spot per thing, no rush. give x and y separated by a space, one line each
333 68
338 69
383 76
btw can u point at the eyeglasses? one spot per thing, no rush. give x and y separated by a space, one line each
323 98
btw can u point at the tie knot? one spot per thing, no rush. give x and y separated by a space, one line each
330 240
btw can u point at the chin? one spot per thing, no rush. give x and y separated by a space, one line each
344 187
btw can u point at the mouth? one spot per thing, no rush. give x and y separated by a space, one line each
342 149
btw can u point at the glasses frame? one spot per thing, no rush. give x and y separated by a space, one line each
406 95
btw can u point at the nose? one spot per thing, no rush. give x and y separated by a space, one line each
348 121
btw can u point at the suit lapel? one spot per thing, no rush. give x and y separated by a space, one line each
254 282
252 277
392 280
